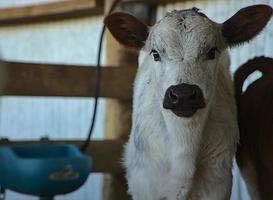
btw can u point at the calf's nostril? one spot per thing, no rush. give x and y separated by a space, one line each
173 97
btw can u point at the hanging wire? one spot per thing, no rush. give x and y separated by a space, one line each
98 81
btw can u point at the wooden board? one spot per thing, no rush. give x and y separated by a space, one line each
106 154
28 79
44 12
63 10
154 2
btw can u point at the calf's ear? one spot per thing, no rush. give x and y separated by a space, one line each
246 24
127 30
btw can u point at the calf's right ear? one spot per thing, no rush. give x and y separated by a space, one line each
127 30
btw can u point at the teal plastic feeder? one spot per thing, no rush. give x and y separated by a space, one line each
43 170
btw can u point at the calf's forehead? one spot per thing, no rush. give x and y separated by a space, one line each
185 27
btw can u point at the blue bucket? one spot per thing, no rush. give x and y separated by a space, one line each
43 170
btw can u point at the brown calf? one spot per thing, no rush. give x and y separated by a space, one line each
255 117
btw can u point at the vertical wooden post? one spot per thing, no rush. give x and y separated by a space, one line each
118 113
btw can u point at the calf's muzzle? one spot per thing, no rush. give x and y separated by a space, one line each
184 99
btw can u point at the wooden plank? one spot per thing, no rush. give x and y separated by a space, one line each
106 154
154 2
63 10
2 77
28 79
67 9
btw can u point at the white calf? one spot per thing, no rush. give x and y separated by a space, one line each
184 131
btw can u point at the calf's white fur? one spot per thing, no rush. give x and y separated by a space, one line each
177 158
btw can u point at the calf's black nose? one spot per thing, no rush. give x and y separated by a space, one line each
183 98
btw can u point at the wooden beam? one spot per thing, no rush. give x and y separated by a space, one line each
63 10
66 9
28 79
119 112
106 154
154 2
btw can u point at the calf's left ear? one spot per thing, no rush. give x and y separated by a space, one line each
246 24
127 30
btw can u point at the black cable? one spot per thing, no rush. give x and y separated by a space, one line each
98 81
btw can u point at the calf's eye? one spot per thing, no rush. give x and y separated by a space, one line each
155 55
211 53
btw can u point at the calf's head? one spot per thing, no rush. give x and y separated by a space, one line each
185 49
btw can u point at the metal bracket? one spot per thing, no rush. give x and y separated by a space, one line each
2 193
4 139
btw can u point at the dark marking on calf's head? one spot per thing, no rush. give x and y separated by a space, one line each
197 11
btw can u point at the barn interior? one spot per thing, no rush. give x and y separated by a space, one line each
50 83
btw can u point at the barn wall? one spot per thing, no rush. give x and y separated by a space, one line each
69 42
219 11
